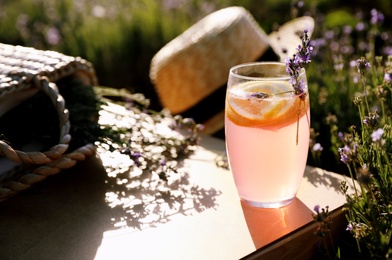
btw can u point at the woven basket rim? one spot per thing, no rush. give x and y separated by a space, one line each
54 66
22 68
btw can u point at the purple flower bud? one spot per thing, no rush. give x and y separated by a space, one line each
288 64
377 135
53 36
362 65
387 77
329 35
360 27
341 136
376 17
259 95
347 29
317 147
135 156
349 227
301 88
344 152
293 81
297 62
372 120
344 158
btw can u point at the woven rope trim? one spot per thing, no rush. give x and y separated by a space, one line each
42 172
56 151
24 68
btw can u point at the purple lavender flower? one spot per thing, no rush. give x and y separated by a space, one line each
360 27
323 219
135 156
362 65
387 50
301 86
260 95
298 61
299 4
317 147
344 157
53 36
317 44
372 120
387 78
377 135
329 35
377 18
347 30
341 136
349 227
345 154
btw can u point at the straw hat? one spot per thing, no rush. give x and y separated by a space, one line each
286 39
197 62
190 72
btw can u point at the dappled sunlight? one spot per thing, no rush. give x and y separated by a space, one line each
320 178
140 199
147 180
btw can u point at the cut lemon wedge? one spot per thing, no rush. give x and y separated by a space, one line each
248 105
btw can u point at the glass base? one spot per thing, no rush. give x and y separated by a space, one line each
277 204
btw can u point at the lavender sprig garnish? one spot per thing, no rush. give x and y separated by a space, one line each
294 66
297 62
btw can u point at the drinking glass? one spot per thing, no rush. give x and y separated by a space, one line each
267 132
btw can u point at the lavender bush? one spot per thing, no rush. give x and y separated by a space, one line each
367 152
334 81
356 93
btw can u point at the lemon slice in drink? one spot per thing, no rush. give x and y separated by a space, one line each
266 105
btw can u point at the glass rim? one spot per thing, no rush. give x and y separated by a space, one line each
248 64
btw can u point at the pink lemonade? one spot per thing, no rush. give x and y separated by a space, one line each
267 152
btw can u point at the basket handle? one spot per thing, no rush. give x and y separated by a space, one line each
56 152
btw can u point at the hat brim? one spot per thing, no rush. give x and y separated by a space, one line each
286 39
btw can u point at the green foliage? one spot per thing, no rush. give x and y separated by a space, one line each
340 18
83 105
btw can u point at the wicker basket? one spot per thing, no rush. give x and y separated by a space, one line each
23 73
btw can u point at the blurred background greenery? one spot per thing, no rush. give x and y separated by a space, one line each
120 37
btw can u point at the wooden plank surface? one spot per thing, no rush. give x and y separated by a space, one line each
67 216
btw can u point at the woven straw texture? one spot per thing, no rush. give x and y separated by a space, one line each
23 72
197 62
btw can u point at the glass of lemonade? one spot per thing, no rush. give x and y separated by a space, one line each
267 132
